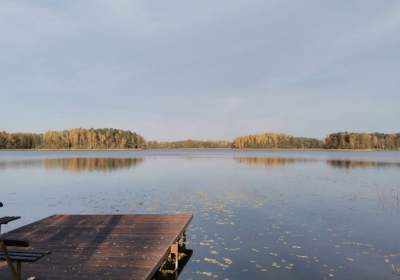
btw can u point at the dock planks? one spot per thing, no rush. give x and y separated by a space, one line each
99 246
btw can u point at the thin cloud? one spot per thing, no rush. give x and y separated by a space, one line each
210 70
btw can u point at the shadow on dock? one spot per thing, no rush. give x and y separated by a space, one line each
104 246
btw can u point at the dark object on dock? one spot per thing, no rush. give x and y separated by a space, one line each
101 246
5 220
19 256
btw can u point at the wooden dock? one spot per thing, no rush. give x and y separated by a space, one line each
100 246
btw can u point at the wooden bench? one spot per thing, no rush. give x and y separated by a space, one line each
19 256
5 220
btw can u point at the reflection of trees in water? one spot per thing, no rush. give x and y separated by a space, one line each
92 164
271 161
20 164
347 164
76 164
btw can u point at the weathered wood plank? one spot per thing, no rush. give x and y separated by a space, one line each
100 246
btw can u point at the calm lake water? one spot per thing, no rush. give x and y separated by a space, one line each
257 214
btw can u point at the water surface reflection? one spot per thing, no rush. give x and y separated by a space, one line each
347 164
292 215
335 163
76 164
272 161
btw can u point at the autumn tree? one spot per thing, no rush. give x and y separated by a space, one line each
76 138
347 140
275 141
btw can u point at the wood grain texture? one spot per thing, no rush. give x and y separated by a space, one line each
99 246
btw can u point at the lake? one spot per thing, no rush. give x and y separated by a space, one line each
258 214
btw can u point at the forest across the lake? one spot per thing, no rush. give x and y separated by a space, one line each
110 138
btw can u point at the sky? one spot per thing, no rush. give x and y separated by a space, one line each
206 70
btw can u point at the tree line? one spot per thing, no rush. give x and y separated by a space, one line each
275 141
190 144
76 138
110 138
376 141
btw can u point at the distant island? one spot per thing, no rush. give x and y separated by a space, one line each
110 138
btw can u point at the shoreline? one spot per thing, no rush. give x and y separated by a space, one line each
203 149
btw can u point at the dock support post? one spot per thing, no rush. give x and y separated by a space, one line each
174 250
184 237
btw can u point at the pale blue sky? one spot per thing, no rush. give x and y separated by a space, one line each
173 70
